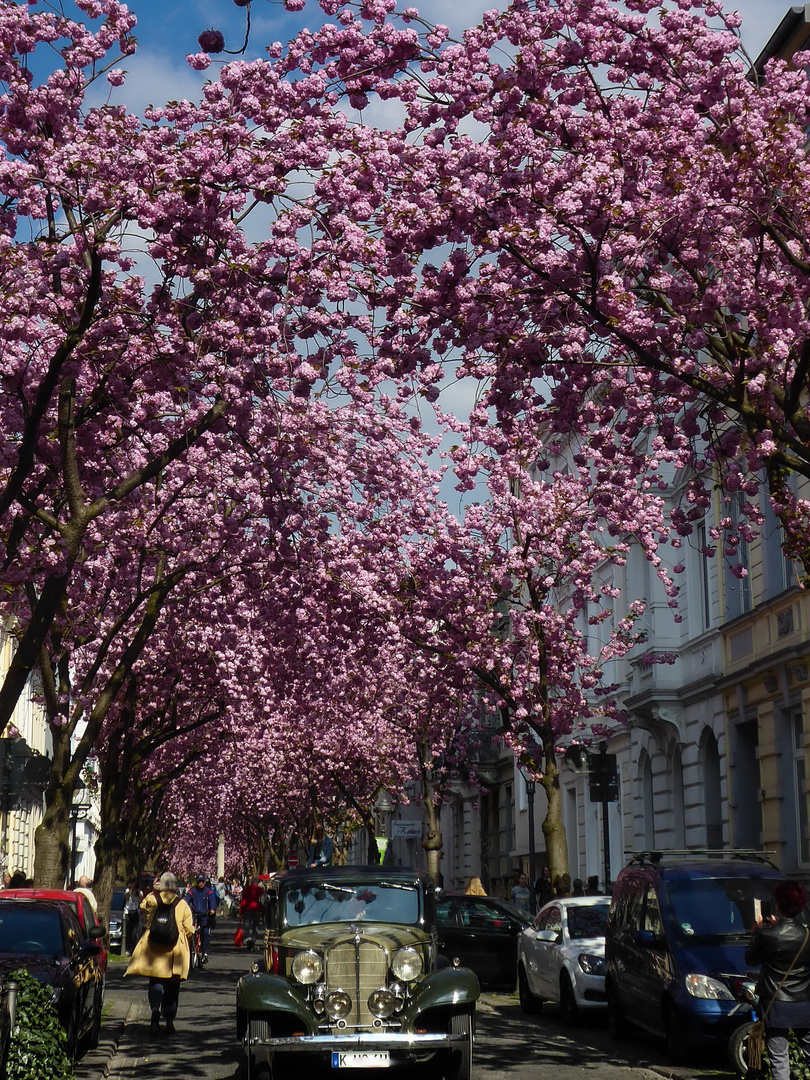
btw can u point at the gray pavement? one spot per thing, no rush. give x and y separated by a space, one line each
509 1045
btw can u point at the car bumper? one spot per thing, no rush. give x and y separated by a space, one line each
396 1041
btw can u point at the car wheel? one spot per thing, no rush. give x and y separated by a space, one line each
91 1039
260 1061
568 1003
528 1002
738 1048
675 1034
461 1057
617 1024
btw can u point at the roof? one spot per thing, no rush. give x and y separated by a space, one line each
363 874
790 36
674 868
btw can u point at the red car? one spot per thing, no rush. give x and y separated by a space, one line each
82 909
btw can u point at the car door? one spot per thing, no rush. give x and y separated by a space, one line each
84 970
489 938
547 950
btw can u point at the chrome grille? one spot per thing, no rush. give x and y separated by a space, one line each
358 967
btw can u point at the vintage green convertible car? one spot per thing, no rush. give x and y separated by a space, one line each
352 973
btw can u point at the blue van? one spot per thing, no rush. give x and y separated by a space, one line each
675 944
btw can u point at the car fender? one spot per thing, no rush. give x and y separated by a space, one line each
446 987
266 992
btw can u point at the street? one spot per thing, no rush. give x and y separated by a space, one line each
508 1044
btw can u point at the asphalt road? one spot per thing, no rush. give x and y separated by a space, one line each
509 1045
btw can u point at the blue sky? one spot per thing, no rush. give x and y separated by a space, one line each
168 30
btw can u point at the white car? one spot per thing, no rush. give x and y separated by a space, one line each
561 956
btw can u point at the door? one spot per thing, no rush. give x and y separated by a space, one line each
547 955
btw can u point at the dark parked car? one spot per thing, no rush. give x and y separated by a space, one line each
675 945
351 973
482 933
81 907
45 937
116 923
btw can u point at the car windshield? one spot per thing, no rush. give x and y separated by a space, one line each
587 920
25 931
326 903
704 907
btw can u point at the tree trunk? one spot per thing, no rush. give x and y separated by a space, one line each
52 845
553 828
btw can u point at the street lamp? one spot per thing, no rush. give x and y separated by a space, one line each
76 811
383 809
531 787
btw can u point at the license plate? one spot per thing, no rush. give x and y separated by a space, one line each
360 1059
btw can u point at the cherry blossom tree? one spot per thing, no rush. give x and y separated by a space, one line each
596 209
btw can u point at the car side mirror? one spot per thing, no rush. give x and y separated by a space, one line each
647 939
551 936
97 931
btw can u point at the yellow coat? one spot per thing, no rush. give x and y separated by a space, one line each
163 963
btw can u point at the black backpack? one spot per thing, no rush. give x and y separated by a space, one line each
163 929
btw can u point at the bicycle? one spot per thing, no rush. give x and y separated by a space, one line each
198 958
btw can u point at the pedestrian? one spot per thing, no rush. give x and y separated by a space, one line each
18 880
593 886
163 958
578 889
320 850
132 902
223 897
521 897
236 892
202 900
781 944
543 888
250 909
6 879
85 886
475 887
562 886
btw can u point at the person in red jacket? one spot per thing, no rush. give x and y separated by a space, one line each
250 909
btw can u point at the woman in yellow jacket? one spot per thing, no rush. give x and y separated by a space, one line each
166 966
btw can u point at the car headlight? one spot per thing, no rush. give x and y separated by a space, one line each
590 964
307 967
407 965
701 986
338 1004
382 1003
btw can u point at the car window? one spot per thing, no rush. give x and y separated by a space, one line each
327 902
444 912
479 912
652 913
717 907
554 919
587 920
26 931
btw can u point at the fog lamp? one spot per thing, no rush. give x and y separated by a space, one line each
338 1004
382 1003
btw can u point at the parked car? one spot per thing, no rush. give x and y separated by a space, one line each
45 937
351 973
115 931
92 928
482 933
675 945
561 956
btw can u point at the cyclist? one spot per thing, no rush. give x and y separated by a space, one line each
202 900
250 909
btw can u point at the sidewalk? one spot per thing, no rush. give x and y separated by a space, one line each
205 1042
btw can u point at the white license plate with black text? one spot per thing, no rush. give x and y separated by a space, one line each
360 1059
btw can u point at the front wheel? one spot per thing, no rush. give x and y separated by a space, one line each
528 1002
259 1061
738 1049
677 1044
461 1056
568 1003
617 1025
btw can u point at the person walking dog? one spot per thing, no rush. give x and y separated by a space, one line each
163 955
